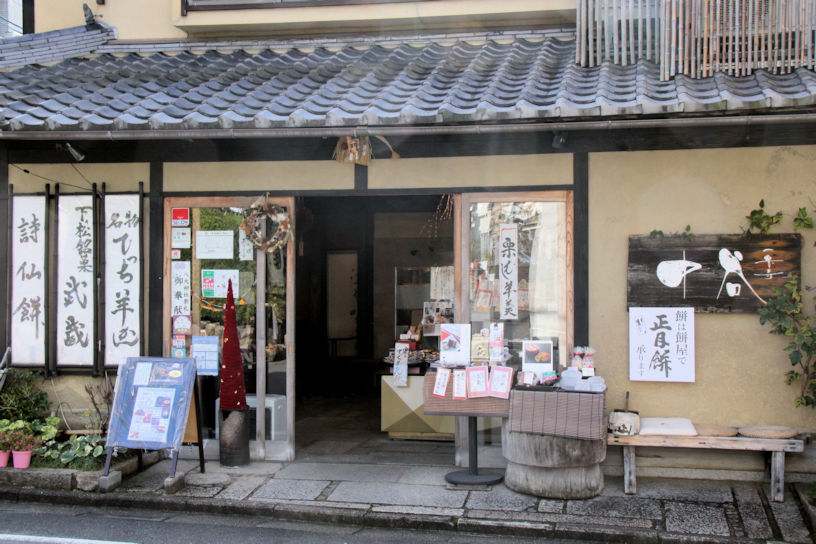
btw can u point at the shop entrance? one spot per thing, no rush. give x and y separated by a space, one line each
363 273
206 250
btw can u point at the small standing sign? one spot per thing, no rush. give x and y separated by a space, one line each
151 404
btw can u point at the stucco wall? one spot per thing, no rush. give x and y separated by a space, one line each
162 19
739 366
258 176
489 171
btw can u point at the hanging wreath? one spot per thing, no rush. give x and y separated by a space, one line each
260 212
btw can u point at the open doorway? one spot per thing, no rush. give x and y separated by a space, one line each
362 265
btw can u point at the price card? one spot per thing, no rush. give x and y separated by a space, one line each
459 385
476 381
441 383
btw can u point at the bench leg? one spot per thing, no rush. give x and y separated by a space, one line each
629 469
778 476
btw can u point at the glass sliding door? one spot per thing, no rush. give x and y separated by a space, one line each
205 248
515 269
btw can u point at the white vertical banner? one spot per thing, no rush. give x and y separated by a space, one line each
508 271
75 281
180 288
123 335
28 280
661 344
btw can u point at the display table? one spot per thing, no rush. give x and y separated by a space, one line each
554 443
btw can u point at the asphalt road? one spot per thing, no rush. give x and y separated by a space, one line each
58 524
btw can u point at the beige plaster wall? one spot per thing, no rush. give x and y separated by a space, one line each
258 176
490 171
71 402
75 178
739 365
133 20
162 19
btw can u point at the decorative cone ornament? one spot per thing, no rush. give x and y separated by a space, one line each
234 434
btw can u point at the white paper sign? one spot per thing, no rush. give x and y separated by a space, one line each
441 383
496 342
246 252
180 238
214 283
442 283
214 244
454 344
508 271
459 384
28 281
401 365
661 344
76 306
180 288
122 278
205 352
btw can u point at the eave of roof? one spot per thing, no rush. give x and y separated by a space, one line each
476 84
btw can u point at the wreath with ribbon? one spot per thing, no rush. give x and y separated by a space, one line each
260 212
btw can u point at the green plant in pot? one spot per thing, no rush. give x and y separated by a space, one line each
22 445
785 313
5 448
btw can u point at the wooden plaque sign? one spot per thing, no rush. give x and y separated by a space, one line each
711 273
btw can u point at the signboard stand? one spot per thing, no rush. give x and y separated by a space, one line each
150 409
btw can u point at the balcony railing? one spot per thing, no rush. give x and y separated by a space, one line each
698 37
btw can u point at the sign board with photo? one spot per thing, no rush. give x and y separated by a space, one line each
151 403
454 344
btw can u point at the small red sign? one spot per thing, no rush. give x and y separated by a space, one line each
180 217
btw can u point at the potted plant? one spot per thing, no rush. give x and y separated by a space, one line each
5 450
22 444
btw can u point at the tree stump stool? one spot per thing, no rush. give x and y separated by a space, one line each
552 466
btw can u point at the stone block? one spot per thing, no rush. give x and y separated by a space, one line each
173 484
110 482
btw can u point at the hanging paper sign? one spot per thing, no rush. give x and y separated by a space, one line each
214 283
496 342
180 288
508 271
442 283
441 383
28 282
179 217
205 352
661 344
76 306
401 365
175 254
246 252
122 278
459 384
214 244
180 238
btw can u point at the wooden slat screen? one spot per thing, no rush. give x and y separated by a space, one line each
698 37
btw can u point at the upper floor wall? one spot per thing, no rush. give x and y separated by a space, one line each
165 19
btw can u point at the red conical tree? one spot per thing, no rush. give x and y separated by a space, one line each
233 390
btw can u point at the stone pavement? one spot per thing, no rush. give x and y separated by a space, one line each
417 497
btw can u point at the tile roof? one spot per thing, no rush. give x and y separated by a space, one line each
119 87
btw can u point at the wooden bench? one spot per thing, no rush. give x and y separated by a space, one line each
778 447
